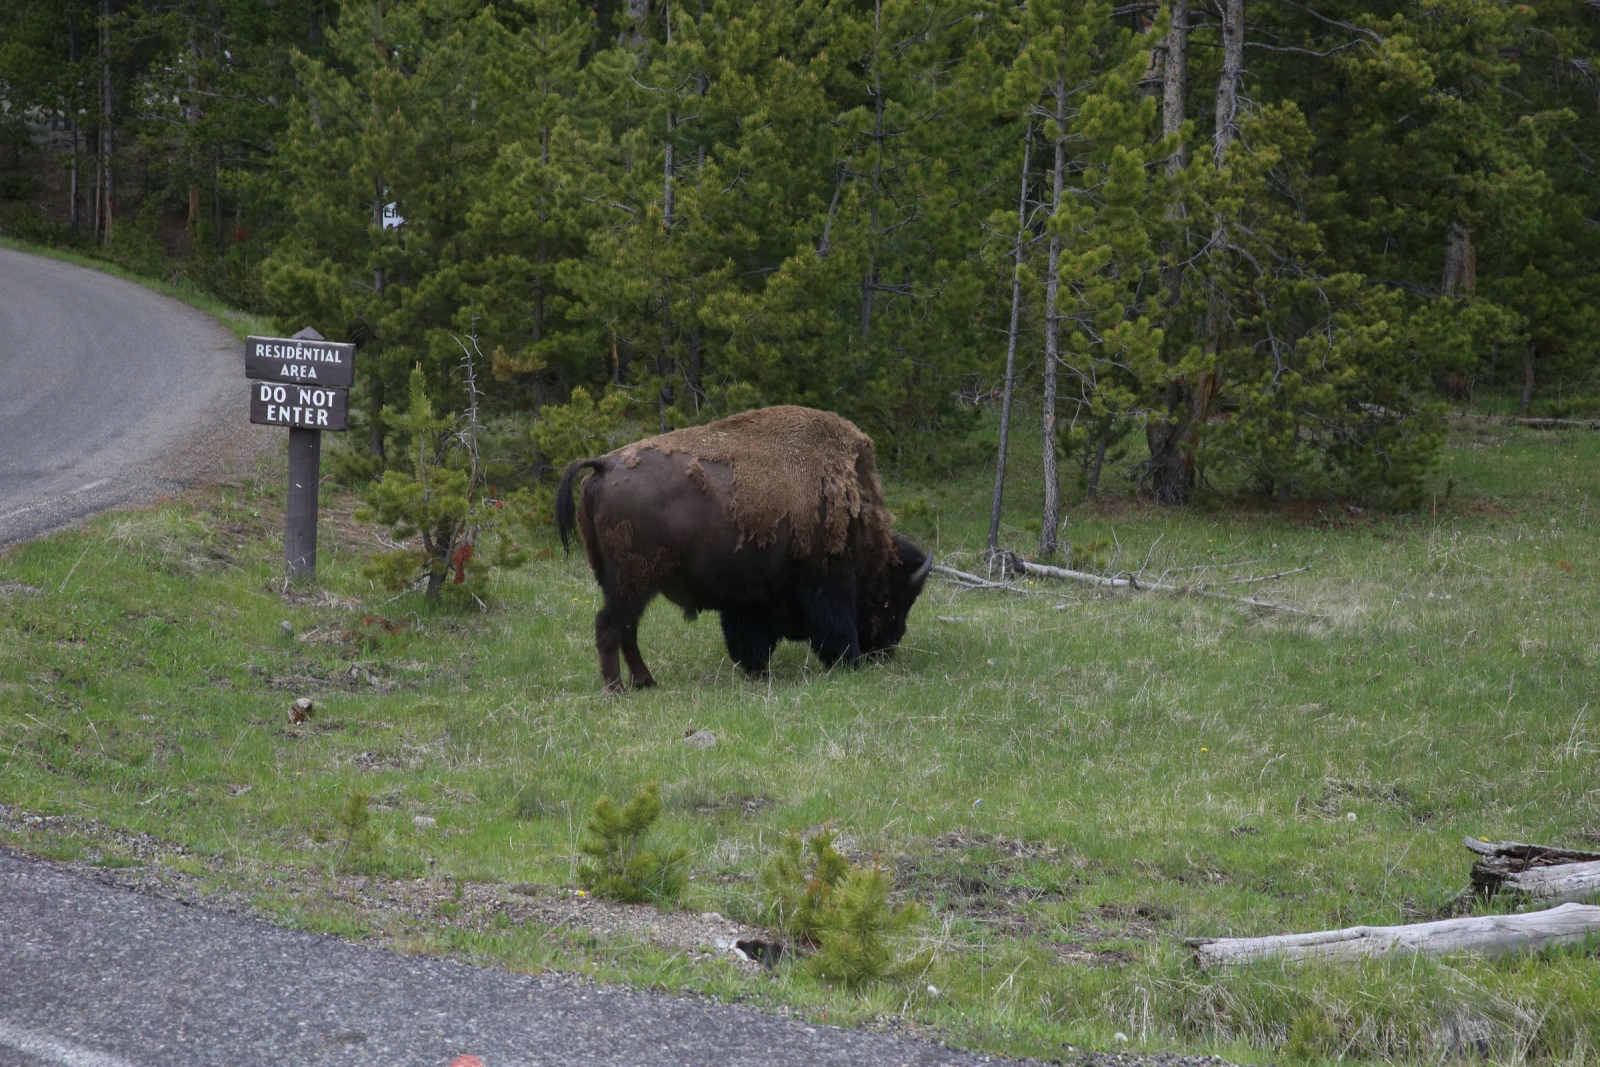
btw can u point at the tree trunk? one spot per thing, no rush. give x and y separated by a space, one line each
1460 262
870 282
1227 118
1011 346
667 174
191 116
73 218
107 137
1050 519
1527 377
638 14
1171 476
1490 935
376 430
1175 83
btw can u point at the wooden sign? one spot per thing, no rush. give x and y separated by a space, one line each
301 360
309 407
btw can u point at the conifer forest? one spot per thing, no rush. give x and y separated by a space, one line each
1250 246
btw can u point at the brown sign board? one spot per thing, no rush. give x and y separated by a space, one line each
299 360
309 407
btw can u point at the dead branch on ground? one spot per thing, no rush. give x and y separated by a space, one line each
1491 935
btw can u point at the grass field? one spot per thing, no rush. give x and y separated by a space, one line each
1071 783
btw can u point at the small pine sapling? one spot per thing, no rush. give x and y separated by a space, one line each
861 932
355 821
621 868
799 882
441 498
821 901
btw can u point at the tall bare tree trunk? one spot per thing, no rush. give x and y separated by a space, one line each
1169 470
376 429
1527 377
1011 346
73 218
1050 519
1227 121
191 115
870 283
107 137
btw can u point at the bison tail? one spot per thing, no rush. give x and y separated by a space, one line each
566 513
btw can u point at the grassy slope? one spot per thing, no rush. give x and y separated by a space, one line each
1073 783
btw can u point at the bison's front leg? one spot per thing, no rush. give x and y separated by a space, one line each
616 630
829 610
750 634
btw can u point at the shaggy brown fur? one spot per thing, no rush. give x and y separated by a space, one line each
697 475
778 456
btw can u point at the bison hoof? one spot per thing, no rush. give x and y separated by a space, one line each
613 688
646 682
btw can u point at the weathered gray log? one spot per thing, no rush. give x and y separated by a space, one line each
1490 935
1043 571
1578 882
1541 872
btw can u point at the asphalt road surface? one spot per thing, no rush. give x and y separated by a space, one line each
109 394
94 976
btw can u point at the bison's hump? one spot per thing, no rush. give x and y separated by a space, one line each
812 467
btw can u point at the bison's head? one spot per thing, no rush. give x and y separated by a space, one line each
885 602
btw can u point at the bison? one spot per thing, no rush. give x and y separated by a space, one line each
772 518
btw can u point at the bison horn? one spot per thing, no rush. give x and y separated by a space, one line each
920 575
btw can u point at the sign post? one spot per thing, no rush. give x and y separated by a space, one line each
301 382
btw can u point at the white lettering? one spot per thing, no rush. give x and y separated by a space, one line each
322 416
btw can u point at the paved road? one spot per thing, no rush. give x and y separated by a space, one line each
93 976
109 393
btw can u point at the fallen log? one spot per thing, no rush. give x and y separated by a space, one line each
1491 935
1540 872
1043 571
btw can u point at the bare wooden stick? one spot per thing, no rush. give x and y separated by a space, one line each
972 581
1266 577
1491 935
1158 587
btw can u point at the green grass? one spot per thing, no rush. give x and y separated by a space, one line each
242 323
1071 783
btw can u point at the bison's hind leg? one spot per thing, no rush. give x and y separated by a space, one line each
751 634
616 630
829 611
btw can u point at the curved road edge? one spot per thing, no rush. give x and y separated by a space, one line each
110 394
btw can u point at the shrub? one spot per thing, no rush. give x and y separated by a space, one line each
821 901
622 868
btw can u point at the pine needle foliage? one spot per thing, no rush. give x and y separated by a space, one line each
621 868
356 823
799 882
439 497
820 900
